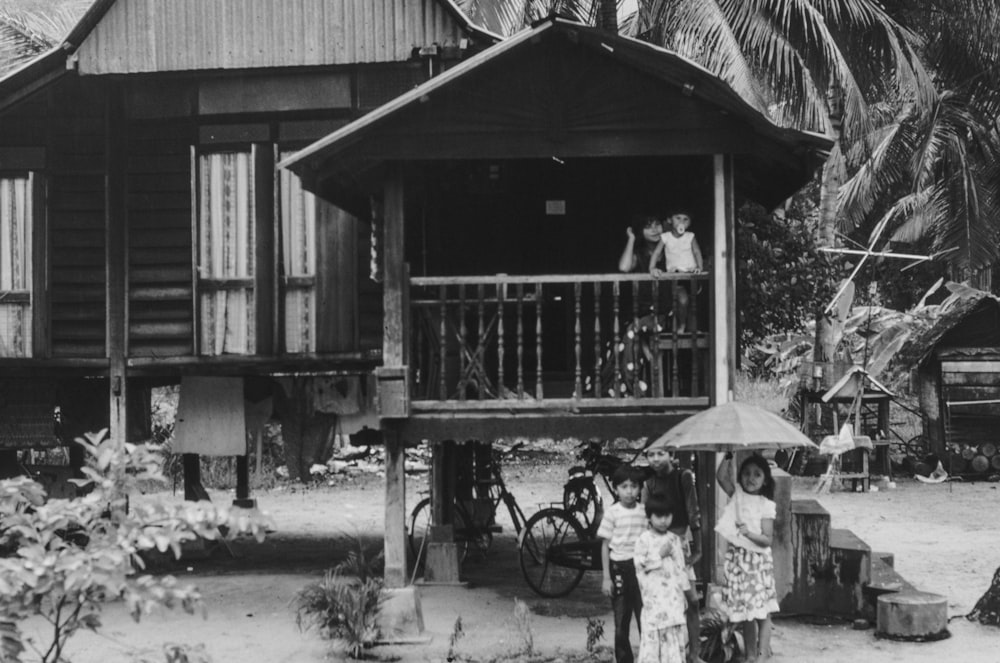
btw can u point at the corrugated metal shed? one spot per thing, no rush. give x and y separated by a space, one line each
135 36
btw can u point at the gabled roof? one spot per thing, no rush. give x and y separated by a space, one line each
119 37
549 123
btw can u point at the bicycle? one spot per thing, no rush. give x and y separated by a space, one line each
473 520
582 496
560 543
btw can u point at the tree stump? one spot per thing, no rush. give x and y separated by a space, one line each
912 615
987 609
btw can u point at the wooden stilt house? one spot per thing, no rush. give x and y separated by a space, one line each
501 190
148 238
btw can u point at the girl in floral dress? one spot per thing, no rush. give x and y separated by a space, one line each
663 579
748 524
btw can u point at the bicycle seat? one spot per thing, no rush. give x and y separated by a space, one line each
577 469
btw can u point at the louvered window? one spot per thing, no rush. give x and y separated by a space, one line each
226 254
298 242
15 265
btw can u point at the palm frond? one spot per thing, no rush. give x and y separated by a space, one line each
26 34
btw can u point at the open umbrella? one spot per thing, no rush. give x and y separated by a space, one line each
732 427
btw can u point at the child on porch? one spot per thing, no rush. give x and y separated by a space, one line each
748 524
682 254
620 527
663 582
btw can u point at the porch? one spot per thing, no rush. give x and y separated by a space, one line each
574 342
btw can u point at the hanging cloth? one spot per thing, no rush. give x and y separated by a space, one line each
210 417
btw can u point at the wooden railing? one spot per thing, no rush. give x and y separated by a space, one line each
583 340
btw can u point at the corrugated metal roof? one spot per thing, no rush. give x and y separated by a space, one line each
671 68
137 36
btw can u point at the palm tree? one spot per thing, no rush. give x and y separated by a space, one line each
27 32
934 171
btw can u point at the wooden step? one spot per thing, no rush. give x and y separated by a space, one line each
884 580
912 615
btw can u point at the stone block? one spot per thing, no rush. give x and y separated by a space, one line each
912 615
401 618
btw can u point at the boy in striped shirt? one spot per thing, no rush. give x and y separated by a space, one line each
621 525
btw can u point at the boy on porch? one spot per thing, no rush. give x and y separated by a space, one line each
682 254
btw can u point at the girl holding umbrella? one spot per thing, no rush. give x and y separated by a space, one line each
748 525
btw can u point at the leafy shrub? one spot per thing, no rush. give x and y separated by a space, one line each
342 608
345 605
69 557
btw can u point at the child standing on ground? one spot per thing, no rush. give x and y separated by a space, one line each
663 582
682 254
620 527
676 485
748 524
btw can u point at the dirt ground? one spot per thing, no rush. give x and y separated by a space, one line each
945 539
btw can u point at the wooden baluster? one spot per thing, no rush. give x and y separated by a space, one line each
636 344
520 341
598 360
656 371
539 392
674 371
420 341
616 340
481 310
463 359
577 346
500 347
693 328
443 341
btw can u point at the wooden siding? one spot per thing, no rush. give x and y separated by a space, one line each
159 206
76 166
153 35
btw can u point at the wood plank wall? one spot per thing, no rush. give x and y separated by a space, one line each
160 254
76 220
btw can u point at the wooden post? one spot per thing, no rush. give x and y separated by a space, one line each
723 324
243 483
116 259
393 377
265 273
395 510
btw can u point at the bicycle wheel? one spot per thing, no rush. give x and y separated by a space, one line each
550 552
420 527
583 500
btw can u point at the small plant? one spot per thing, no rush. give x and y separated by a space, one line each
363 562
595 633
522 626
456 634
342 608
720 640
67 558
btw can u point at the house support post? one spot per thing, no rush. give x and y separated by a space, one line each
116 260
723 327
395 510
441 557
392 400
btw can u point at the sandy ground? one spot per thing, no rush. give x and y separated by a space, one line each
945 538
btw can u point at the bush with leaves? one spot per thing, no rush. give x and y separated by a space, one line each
781 275
344 606
67 558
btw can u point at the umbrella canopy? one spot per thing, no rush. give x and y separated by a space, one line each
732 427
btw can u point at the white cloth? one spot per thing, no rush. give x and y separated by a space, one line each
210 419
621 527
753 510
678 252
